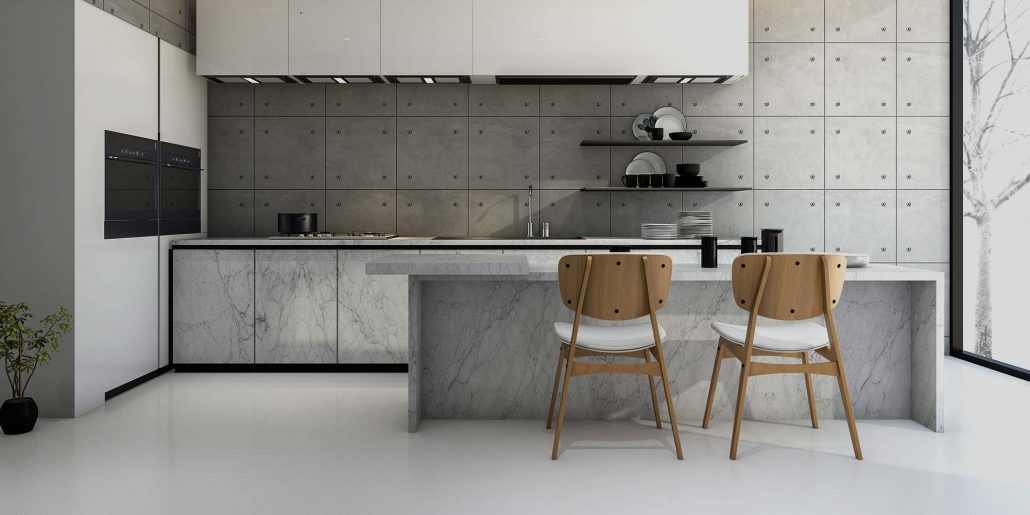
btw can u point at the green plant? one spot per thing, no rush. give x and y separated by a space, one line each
647 124
24 348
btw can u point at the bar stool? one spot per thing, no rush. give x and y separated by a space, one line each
788 287
613 287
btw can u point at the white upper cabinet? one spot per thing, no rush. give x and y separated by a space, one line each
608 37
334 37
242 37
427 37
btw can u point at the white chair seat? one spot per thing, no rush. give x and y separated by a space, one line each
618 338
795 337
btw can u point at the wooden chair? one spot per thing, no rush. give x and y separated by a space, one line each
785 287
613 287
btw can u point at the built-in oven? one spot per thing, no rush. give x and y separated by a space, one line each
150 187
179 195
130 186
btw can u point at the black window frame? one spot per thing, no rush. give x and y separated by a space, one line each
957 246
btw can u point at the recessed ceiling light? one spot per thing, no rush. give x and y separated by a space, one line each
340 80
684 80
250 80
428 80
346 39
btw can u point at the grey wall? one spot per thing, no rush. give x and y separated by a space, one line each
845 113
37 254
174 21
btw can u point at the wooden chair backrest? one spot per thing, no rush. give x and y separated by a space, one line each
616 287
798 286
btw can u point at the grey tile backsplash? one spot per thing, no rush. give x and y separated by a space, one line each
845 113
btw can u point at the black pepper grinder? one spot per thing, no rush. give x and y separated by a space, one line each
709 252
772 240
748 244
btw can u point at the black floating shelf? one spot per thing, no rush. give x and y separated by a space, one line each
663 143
621 188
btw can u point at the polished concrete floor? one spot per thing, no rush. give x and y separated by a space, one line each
336 443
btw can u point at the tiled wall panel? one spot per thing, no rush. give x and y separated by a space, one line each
174 21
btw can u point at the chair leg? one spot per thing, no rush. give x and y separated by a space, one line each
849 411
711 387
554 389
654 393
561 407
741 390
668 400
811 395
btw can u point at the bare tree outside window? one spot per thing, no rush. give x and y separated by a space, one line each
995 62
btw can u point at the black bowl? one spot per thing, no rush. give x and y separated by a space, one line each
682 136
688 169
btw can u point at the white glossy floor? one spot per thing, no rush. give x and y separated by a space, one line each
328 443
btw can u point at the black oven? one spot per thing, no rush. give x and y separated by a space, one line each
150 187
130 186
180 189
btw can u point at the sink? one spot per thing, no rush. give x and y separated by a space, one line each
498 238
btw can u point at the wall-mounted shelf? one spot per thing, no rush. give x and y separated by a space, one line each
622 188
663 143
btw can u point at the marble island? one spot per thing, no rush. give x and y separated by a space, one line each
480 344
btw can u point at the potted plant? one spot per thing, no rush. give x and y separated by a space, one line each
24 348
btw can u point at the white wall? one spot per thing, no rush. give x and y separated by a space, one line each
36 188
183 121
116 285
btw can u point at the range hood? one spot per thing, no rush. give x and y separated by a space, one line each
477 41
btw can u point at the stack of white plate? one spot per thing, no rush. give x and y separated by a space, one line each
658 231
694 224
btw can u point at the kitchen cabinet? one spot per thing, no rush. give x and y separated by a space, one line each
331 37
295 306
213 312
534 37
427 37
373 310
243 37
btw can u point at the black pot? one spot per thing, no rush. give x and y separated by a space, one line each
18 416
657 134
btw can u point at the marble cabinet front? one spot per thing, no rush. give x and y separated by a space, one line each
372 311
213 306
295 297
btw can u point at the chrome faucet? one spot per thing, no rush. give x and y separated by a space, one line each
529 231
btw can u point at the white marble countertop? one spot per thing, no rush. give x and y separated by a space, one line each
517 267
411 241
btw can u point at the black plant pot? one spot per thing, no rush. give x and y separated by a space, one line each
18 416
657 134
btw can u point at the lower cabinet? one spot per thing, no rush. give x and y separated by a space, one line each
285 306
295 306
372 310
213 306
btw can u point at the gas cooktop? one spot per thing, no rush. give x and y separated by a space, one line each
333 236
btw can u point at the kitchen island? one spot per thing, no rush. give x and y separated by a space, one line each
480 344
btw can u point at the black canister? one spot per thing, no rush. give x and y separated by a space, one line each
772 240
709 252
748 244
